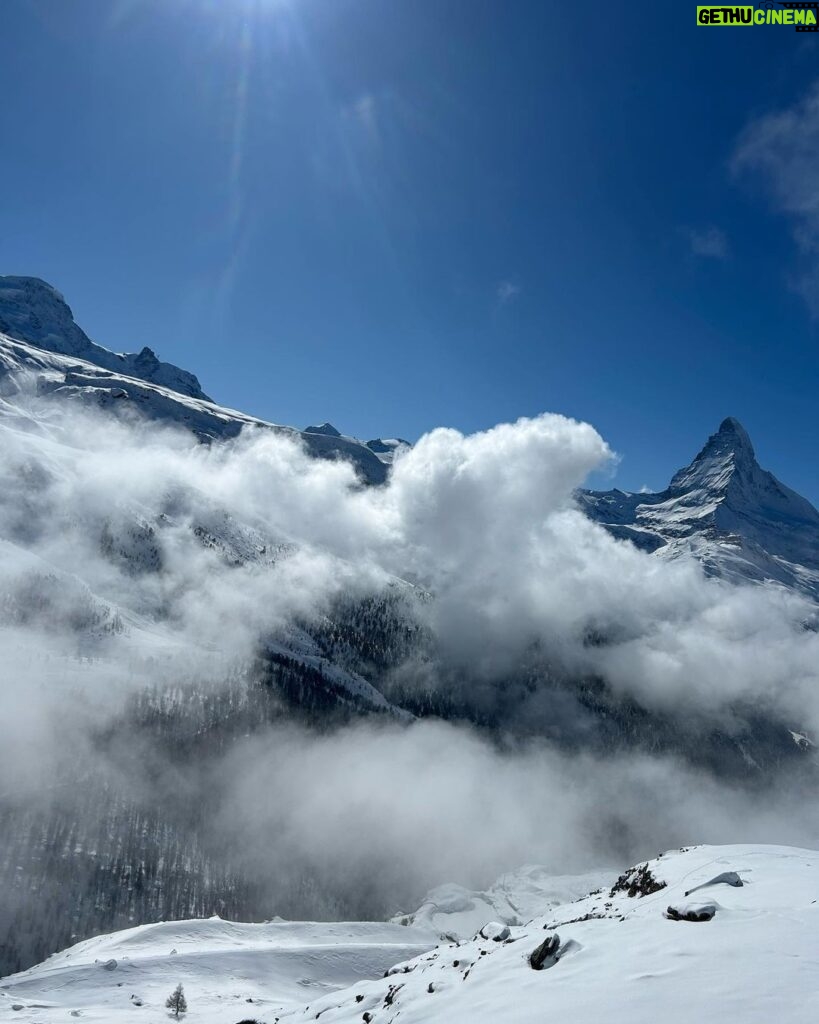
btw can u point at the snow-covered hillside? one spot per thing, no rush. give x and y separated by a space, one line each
265 970
32 311
230 971
706 934
737 519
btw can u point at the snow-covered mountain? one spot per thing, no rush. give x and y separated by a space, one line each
38 336
704 934
737 519
33 311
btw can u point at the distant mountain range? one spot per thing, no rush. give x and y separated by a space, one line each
737 519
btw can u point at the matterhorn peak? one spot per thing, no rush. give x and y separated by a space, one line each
739 520
727 451
731 436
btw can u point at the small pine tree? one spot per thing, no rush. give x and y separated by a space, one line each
176 1001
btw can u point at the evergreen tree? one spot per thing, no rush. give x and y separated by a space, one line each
176 1001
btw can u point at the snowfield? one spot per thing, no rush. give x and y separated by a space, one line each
629 953
229 971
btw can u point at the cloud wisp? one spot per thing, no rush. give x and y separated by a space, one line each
709 242
781 149
507 291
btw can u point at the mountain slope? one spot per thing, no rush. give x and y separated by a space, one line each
737 519
38 336
622 958
32 311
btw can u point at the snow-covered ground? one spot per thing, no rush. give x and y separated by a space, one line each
230 972
622 960
620 957
264 970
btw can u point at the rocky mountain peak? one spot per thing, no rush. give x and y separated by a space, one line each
33 311
737 518
724 454
327 429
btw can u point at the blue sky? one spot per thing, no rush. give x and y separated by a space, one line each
397 214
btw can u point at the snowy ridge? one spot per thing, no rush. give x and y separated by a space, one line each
707 934
65 378
737 519
32 311
38 336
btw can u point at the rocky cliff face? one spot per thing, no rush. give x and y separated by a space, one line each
32 311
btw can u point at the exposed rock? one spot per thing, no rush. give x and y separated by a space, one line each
545 955
691 911
496 931
637 881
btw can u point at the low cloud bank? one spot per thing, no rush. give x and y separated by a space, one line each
134 557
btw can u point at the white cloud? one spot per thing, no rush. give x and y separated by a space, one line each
782 150
710 242
362 115
507 291
488 524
